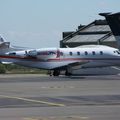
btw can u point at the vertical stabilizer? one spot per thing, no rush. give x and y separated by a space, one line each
1 40
3 43
113 21
5 47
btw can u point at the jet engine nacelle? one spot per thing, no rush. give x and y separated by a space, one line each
17 53
31 53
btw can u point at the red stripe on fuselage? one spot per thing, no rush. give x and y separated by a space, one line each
83 59
56 59
18 57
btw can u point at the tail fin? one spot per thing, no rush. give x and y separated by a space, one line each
3 43
1 39
113 21
5 47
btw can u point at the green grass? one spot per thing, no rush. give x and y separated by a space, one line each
16 69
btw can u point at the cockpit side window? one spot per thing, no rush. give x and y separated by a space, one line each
117 51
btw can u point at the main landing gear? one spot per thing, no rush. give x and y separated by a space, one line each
55 72
67 73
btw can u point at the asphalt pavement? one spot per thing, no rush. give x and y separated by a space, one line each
40 97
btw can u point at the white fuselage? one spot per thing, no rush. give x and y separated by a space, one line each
52 58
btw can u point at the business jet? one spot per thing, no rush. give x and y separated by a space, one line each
68 59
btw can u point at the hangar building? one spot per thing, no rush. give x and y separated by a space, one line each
97 32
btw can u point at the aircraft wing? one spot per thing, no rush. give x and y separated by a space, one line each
78 65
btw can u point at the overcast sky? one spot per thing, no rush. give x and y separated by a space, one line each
40 23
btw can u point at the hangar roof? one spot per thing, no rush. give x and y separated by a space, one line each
96 31
85 38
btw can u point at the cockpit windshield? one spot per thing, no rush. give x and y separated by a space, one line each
117 51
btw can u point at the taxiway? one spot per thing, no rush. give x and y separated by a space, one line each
38 97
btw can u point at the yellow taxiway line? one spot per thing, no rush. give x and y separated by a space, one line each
33 101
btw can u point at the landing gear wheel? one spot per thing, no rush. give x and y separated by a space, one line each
56 73
49 73
67 73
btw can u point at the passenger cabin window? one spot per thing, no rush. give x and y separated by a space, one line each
93 52
101 52
78 53
70 53
86 53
